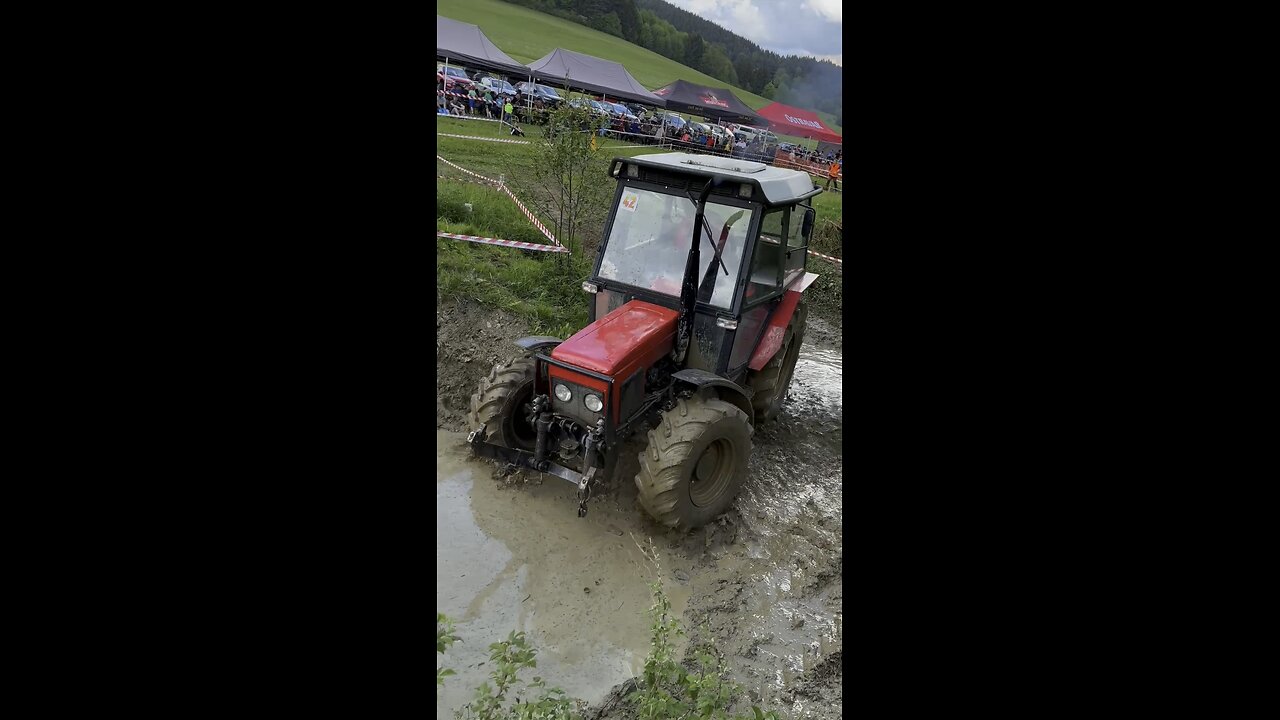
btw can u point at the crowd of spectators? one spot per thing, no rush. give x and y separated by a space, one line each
646 128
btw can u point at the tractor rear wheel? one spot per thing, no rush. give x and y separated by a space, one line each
696 462
769 385
499 405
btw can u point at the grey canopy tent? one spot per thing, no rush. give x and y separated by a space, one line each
462 44
708 102
575 71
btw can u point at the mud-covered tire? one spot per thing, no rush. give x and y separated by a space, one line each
497 404
769 384
701 440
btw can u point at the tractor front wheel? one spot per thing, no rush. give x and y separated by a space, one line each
769 385
696 462
499 405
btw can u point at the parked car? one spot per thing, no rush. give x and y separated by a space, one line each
541 92
697 128
453 76
675 121
592 105
623 111
752 133
498 85
744 133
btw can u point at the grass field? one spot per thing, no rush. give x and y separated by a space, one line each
527 35
542 287
494 159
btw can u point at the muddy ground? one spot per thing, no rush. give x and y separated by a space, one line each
766 580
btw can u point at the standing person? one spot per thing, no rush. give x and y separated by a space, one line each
833 175
507 110
471 101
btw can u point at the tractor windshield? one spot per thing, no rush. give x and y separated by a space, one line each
649 243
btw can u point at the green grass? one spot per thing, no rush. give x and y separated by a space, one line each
511 162
492 159
543 288
527 35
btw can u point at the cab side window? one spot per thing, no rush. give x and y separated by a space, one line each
798 234
766 265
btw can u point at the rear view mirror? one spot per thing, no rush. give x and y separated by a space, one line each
807 226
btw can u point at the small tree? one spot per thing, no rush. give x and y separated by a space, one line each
572 175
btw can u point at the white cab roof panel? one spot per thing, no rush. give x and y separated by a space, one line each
779 185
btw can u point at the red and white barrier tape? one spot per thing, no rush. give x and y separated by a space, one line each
464 180
475 137
828 257
478 175
532 218
536 223
504 243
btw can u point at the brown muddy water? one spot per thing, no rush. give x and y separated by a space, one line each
765 580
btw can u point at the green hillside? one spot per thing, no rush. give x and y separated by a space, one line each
527 35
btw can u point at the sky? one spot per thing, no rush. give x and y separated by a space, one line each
787 27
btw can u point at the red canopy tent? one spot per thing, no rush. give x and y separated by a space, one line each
794 121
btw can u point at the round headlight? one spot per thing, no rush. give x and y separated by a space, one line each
563 393
593 403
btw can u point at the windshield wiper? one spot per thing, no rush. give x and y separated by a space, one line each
707 225
708 286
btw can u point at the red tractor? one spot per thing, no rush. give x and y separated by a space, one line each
694 337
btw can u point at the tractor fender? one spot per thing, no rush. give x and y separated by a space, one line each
728 390
535 343
775 331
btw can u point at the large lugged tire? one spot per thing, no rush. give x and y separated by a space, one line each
498 405
769 385
696 462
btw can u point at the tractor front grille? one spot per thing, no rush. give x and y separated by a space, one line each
574 408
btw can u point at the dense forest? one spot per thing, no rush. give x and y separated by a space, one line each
704 46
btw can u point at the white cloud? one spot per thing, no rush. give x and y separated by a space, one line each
739 16
772 24
832 10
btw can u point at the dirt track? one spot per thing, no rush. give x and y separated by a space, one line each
766 579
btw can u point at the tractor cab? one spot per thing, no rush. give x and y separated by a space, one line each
696 323
753 247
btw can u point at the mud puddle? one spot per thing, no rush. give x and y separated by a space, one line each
778 614
765 580
518 558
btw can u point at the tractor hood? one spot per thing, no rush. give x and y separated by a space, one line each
625 337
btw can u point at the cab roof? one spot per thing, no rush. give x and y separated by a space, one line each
778 185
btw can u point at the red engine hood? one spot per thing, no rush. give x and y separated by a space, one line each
628 336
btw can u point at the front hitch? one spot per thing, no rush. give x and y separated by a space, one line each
525 459
590 448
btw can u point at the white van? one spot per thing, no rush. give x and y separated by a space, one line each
749 134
